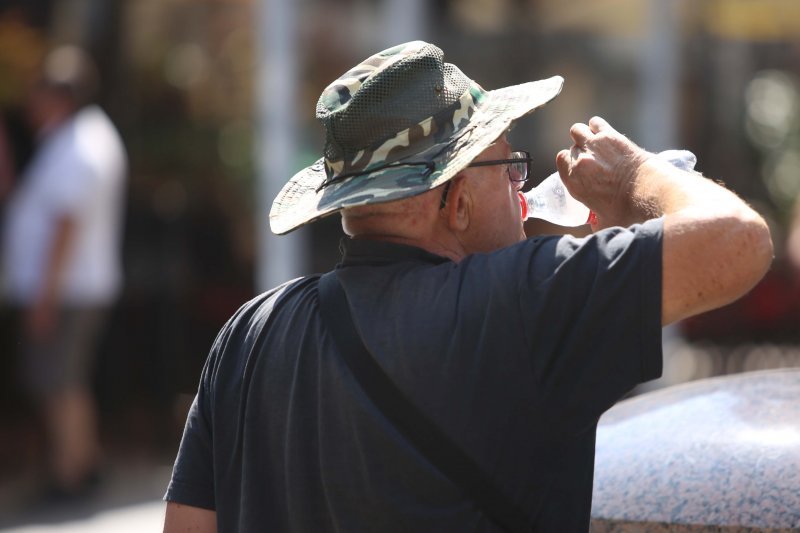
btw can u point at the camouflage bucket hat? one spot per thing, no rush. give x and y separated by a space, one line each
399 124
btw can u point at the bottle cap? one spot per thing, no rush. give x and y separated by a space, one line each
523 204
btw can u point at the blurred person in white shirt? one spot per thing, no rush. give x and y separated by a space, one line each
62 258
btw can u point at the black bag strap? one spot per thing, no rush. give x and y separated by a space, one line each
426 436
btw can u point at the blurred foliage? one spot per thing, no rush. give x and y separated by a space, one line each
763 20
21 50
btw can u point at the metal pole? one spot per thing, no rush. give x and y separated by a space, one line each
278 258
404 20
658 124
658 110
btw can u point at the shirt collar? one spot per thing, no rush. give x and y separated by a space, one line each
373 252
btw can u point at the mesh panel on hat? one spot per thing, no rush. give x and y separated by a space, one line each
396 98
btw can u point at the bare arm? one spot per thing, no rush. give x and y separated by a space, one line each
41 317
715 249
184 519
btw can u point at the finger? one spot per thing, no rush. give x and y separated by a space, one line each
580 133
576 151
598 124
563 159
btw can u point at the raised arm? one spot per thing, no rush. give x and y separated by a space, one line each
715 249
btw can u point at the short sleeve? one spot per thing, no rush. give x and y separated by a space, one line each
192 481
69 180
210 437
593 317
587 317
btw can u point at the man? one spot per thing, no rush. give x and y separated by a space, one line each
62 259
512 347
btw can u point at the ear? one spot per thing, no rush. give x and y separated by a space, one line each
458 209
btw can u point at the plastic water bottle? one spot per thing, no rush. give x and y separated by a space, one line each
683 159
551 201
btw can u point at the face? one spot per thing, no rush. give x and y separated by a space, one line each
496 218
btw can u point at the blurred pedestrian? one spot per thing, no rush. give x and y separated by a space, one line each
61 254
449 374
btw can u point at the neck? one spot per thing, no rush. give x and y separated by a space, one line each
415 221
52 123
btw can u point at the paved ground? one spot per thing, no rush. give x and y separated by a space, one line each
139 518
127 500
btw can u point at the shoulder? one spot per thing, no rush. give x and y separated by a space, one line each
246 328
615 240
97 140
540 259
257 312
608 242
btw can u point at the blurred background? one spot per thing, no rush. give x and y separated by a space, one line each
214 101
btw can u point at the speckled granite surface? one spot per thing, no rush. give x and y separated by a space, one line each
616 526
720 454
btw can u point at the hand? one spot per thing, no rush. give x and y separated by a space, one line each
600 170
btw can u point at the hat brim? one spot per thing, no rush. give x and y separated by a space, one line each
302 201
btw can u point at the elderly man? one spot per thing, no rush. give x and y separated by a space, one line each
449 374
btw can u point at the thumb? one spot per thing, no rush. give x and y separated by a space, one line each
563 159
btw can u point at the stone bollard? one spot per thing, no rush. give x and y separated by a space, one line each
721 455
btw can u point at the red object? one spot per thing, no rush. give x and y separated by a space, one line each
523 205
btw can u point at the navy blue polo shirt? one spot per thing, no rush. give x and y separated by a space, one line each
515 354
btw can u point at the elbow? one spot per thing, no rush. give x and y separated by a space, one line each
756 248
761 239
745 256
714 262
